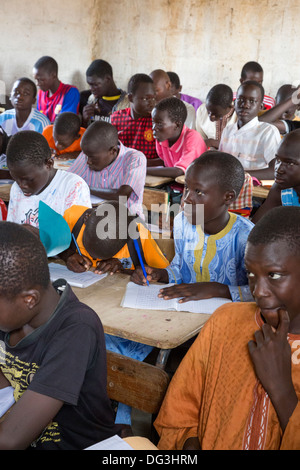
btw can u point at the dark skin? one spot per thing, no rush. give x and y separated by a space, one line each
274 114
274 276
215 113
287 174
33 411
200 188
46 81
98 158
99 87
165 129
248 103
22 98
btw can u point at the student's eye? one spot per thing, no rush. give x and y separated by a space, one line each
199 192
274 276
250 274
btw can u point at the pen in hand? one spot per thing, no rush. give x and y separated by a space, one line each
137 249
79 252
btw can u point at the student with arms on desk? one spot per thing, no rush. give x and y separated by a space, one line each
243 369
52 354
176 145
208 261
109 168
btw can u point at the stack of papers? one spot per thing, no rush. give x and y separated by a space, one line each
146 297
59 271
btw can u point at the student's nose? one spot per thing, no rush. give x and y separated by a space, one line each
260 288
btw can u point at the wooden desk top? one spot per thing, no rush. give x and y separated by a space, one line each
154 181
158 328
180 179
5 192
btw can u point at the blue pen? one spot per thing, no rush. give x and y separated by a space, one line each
74 239
137 249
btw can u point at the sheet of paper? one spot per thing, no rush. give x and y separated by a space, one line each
146 297
60 271
112 443
96 200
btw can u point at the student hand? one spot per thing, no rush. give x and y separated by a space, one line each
195 291
78 263
112 265
153 275
271 357
88 112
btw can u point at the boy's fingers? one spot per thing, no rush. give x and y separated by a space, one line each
284 323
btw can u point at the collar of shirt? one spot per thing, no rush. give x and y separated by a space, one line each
251 124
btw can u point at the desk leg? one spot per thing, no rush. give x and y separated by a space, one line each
162 358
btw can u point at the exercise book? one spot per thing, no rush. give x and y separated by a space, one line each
146 297
59 271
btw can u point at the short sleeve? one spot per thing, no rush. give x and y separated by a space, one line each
71 101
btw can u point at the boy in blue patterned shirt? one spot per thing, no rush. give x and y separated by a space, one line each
209 260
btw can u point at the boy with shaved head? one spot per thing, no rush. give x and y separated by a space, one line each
109 168
163 89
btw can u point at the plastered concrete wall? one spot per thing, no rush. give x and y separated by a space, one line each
204 41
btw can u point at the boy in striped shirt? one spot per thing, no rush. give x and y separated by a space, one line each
109 168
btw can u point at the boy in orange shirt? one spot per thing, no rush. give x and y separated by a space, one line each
64 136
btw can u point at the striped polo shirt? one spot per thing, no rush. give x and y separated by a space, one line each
129 168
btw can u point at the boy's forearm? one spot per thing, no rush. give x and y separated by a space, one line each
171 172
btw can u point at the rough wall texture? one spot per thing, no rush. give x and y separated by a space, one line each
204 41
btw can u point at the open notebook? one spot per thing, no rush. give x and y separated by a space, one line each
146 297
59 271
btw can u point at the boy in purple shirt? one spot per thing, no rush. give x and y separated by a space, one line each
176 90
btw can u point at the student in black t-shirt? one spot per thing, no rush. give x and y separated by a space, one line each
52 354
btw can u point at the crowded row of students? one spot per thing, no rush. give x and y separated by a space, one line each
115 138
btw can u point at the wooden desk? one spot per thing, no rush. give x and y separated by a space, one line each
180 179
159 328
155 181
5 192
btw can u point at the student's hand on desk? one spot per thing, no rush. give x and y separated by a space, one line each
195 291
78 263
112 266
153 275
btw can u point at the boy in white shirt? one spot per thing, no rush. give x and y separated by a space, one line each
31 166
253 142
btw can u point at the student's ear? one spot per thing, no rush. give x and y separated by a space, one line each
229 197
49 162
130 97
31 298
114 150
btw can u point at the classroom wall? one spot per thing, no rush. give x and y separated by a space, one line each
204 41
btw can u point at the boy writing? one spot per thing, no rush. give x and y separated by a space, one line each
176 145
58 380
214 115
64 136
244 363
209 260
106 97
54 96
109 168
134 124
31 166
253 142
286 188
23 117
